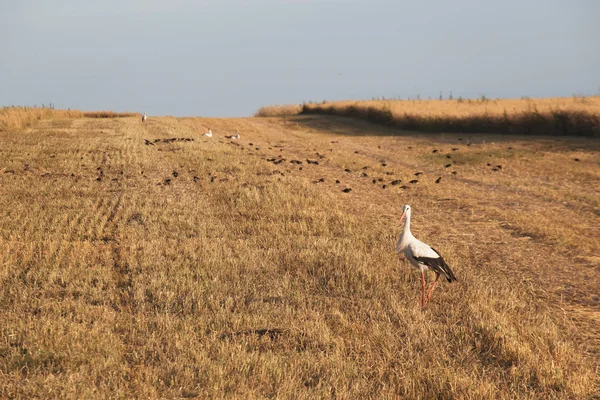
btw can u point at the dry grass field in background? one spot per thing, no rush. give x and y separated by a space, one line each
279 111
18 118
571 116
132 267
110 114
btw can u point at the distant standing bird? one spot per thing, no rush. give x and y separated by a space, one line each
208 134
144 117
236 135
421 256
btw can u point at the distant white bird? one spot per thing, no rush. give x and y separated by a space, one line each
208 134
421 256
236 135
144 117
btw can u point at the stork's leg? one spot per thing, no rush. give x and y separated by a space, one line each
437 276
423 289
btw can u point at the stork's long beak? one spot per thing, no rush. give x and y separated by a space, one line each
402 217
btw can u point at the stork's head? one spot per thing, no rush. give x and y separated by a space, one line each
405 213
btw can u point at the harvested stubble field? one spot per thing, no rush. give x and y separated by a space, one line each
132 267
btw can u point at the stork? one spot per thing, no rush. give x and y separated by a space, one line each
236 135
208 134
421 256
144 117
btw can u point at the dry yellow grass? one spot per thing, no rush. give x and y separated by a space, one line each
19 118
574 116
16 118
279 111
199 269
109 114
469 107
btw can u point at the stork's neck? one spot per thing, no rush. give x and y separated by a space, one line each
406 224
405 236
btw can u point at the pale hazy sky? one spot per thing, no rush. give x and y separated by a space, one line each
229 57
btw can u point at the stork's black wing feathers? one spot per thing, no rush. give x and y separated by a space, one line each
438 265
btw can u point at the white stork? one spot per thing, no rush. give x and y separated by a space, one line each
208 134
144 117
421 256
236 135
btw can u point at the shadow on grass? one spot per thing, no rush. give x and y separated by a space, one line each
530 122
345 126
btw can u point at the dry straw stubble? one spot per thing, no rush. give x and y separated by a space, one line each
243 278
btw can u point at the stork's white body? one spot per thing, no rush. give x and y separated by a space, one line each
208 134
144 117
414 249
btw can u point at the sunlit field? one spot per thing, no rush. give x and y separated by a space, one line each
17 118
142 260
